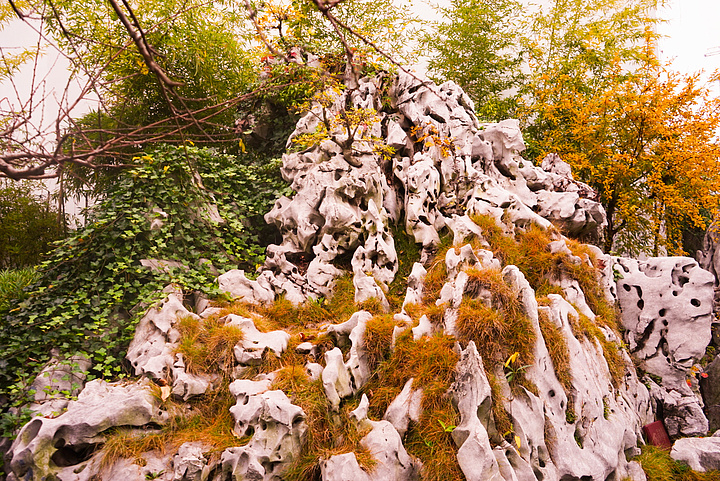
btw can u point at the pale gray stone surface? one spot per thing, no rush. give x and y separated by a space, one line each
336 378
156 337
471 395
255 344
667 307
342 467
701 454
277 428
56 447
237 285
189 462
406 407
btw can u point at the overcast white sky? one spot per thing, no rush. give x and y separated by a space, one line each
692 30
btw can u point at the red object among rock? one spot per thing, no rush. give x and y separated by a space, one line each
656 435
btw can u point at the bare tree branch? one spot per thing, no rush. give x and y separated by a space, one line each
143 47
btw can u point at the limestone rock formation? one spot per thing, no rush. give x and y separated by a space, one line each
445 163
701 454
422 163
59 380
56 447
277 428
152 350
667 307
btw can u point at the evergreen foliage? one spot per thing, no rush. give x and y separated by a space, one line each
93 288
29 224
477 47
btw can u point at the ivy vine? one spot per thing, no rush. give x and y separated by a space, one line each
194 209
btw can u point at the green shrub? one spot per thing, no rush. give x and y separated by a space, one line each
12 287
29 224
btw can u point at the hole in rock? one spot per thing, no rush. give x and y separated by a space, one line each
645 335
640 304
627 287
436 117
301 261
271 466
695 302
32 429
675 293
249 431
682 280
71 455
538 474
665 323
551 393
638 289
662 312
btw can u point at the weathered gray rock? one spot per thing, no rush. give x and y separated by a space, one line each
342 467
357 362
189 462
336 378
151 350
701 454
415 288
667 306
393 461
405 407
237 285
186 385
57 447
471 394
608 423
277 428
255 344
59 380
424 328
385 445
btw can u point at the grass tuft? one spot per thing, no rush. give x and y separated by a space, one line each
329 433
499 329
431 362
558 349
208 420
207 345
659 466
12 287
584 327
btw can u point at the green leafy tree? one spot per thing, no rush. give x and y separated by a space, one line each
205 66
581 48
477 45
29 224
302 23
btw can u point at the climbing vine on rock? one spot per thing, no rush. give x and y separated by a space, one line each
185 213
